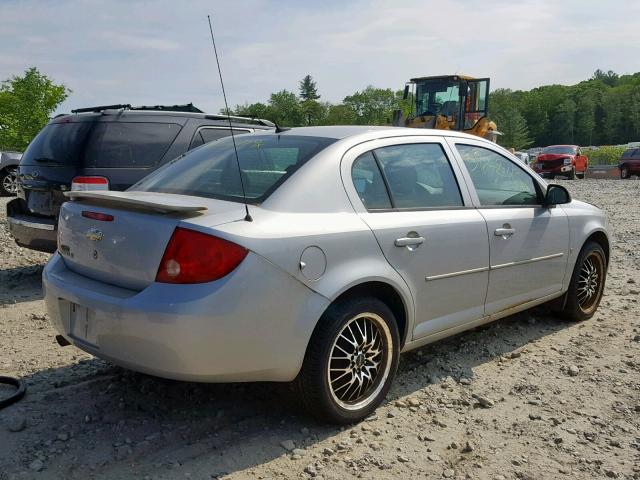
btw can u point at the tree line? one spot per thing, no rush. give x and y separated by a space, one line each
603 110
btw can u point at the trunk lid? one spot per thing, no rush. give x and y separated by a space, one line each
126 249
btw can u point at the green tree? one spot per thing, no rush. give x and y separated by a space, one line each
340 115
609 78
286 108
308 89
373 106
26 105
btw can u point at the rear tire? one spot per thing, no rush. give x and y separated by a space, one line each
351 361
624 173
9 181
587 283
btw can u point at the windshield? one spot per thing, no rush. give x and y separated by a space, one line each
211 170
560 149
437 97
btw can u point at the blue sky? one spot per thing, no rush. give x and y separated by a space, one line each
159 51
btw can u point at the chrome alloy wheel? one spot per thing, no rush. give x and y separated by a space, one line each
10 181
360 361
590 281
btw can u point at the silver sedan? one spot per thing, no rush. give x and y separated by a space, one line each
334 249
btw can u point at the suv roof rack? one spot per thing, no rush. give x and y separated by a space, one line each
187 108
244 119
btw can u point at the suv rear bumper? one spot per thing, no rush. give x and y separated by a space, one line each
31 231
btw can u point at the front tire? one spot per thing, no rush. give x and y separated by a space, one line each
351 361
9 181
587 283
572 174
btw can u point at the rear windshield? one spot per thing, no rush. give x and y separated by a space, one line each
211 171
101 144
560 150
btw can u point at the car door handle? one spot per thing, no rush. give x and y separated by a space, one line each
408 241
504 232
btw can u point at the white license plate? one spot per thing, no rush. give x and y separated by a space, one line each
82 324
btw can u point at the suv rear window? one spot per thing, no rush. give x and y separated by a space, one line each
102 144
58 144
266 162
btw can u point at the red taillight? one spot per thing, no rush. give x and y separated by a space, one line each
85 183
194 257
103 217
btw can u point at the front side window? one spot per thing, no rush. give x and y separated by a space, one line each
418 176
497 180
266 161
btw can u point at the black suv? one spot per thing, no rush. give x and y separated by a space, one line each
110 147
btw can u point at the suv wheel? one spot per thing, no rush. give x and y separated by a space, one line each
587 283
624 173
351 361
572 174
9 181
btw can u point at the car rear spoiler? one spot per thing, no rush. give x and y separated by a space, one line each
150 201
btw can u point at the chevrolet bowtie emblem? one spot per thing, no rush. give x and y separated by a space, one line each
94 234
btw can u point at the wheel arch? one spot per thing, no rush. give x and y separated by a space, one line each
387 294
600 237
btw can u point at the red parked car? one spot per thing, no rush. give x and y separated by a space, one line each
566 160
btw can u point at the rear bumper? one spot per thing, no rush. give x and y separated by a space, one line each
253 325
37 233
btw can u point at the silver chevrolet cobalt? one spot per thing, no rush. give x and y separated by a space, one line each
356 244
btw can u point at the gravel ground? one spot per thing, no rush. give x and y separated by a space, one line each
527 397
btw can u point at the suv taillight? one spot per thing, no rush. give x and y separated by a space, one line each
85 183
195 257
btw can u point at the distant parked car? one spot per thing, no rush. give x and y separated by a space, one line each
104 148
363 242
564 160
9 173
523 156
629 163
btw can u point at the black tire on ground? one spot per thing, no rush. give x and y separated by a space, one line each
337 355
582 175
624 173
572 174
9 181
587 283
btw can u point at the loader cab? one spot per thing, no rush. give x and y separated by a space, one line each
452 102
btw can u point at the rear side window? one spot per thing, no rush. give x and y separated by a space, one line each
129 144
369 183
266 161
419 176
206 135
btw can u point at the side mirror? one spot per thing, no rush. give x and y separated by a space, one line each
405 94
556 195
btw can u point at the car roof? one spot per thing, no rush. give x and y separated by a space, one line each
114 113
340 132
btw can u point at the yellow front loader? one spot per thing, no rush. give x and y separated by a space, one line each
450 102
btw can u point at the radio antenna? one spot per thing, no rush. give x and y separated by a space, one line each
233 138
